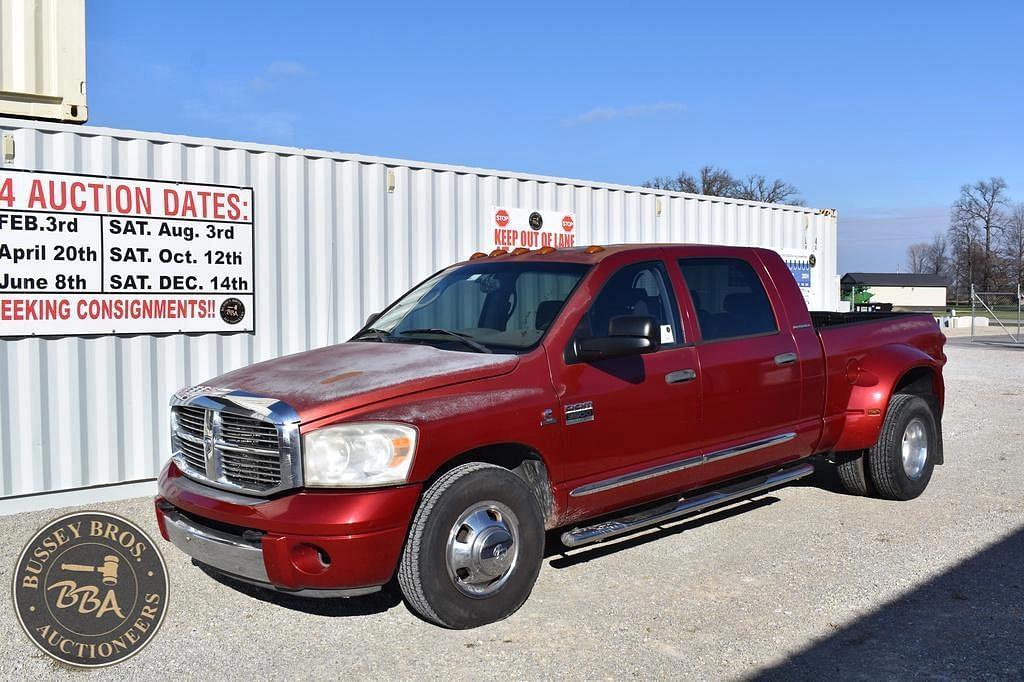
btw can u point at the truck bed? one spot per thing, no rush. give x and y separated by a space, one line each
824 318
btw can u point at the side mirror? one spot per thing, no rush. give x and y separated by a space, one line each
371 319
627 335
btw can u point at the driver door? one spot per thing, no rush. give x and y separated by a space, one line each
625 417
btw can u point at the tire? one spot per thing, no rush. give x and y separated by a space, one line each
852 470
474 548
895 477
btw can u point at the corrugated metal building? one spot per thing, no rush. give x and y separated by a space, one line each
336 237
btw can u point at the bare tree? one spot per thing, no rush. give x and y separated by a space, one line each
683 182
759 188
917 257
718 182
712 181
963 243
1013 245
977 218
937 257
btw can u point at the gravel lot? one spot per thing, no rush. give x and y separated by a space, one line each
802 583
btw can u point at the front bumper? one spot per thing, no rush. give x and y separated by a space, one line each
312 543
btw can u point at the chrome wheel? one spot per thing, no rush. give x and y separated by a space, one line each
483 546
915 449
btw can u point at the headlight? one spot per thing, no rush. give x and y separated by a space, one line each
354 455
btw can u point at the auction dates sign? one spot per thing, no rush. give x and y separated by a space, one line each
515 228
84 255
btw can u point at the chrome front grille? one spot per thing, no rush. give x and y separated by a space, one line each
192 420
194 455
243 432
232 450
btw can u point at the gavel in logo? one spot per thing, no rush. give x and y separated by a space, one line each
108 569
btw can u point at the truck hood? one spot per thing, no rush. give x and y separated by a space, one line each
325 381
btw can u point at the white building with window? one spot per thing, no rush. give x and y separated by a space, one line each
904 291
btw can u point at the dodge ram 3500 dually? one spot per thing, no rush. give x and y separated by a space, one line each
594 390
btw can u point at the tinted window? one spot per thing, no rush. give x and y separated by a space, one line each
639 289
728 296
538 298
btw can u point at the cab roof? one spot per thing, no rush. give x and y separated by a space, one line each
591 255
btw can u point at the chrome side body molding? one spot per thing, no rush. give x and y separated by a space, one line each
627 524
679 465
749 447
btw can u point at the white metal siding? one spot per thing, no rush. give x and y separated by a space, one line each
42 59
332 246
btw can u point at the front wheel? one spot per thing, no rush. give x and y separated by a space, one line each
474 548
902 460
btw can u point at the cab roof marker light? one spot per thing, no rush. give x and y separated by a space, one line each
478 254
520 251
594 248
545 250
498 252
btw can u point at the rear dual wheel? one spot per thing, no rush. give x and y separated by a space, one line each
900 464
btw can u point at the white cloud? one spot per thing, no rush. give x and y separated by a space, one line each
276 126
248 107
276 72
600 114
285 68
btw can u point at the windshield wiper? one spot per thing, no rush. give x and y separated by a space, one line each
464 338
378 334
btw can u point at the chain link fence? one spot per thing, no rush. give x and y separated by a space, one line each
996 316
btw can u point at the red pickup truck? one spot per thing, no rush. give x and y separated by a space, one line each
594 390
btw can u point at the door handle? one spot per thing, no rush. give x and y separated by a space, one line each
680 376
785 358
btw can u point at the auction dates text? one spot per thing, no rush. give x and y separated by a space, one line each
145 254
151 228
141 282
28 222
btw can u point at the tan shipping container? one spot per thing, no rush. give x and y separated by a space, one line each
42 59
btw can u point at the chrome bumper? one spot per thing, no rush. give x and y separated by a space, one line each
235 557
215 548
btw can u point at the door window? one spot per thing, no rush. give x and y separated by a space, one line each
638 289
729 298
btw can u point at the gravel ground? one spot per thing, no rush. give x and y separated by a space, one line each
802 583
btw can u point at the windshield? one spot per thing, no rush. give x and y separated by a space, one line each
483 307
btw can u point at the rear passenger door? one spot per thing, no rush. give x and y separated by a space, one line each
750 378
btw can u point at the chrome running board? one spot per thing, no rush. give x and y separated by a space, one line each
651 517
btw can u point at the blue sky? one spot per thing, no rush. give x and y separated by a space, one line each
881 110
